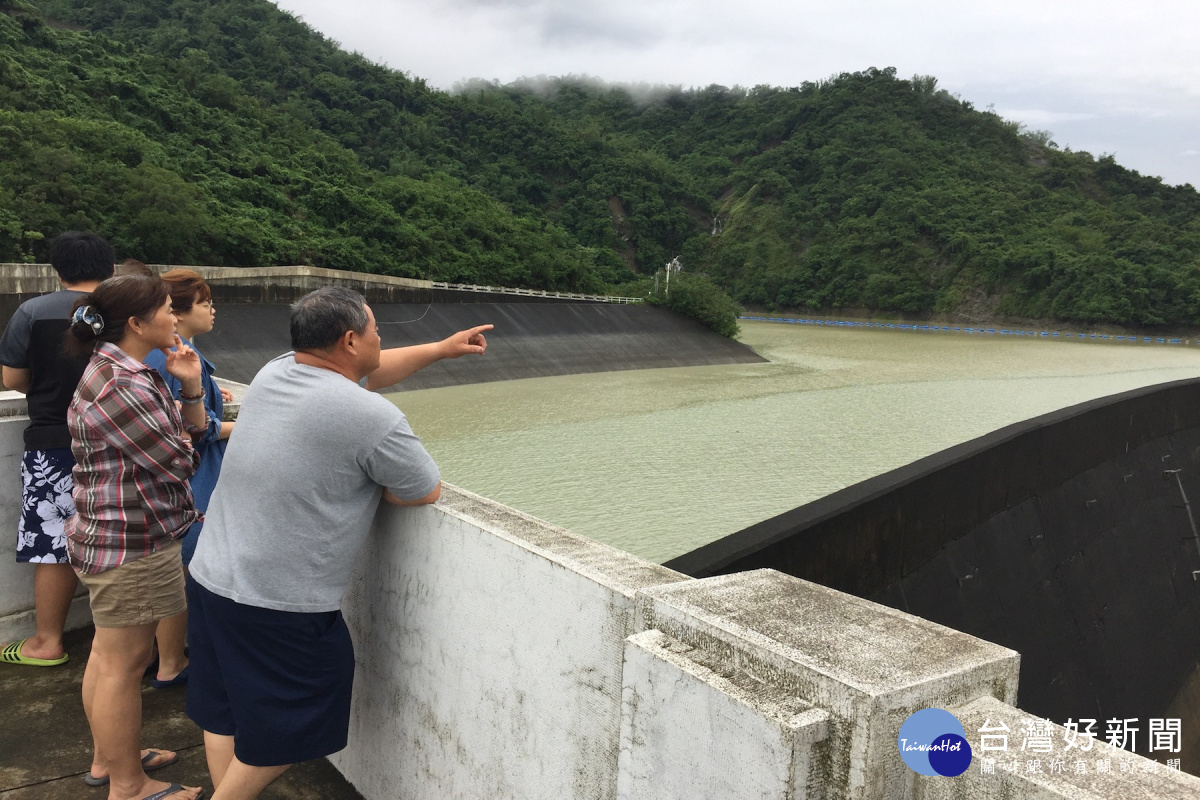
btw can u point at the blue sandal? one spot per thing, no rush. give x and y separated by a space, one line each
92 780
178 680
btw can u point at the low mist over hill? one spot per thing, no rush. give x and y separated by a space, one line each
230 133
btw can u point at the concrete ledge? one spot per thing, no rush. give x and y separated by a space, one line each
300 274
41 278
615 569
231 408
287 283
12 404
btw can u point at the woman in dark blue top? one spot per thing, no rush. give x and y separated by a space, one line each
191 302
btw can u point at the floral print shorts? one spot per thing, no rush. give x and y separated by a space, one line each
46 506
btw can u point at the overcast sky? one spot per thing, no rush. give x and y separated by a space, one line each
1121 78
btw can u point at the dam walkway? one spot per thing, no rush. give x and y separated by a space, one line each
45 744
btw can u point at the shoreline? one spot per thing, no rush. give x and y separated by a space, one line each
1187 334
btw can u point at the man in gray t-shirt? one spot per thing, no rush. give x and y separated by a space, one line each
271 659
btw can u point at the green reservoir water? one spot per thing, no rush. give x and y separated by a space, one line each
659 462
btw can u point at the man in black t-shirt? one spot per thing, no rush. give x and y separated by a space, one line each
32 362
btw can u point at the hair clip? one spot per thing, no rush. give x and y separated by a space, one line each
90 317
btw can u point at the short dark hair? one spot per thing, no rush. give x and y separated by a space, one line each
322 317
115 301
79 257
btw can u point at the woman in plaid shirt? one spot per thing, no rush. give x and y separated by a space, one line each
134 456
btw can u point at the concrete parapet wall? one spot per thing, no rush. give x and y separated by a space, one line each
490 648
19 282
16 580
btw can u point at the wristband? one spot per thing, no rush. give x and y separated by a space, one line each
191 401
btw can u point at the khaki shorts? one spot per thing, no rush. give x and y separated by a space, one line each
139 592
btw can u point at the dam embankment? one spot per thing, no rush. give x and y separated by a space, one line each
1069 537
530 340
537 334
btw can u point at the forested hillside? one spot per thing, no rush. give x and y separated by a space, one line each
228 132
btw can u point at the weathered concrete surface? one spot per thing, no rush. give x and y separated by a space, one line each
284 284
19 282
693 729
45 744
870 667
16 580
490 650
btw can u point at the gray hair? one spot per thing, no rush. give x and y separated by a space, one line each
322 317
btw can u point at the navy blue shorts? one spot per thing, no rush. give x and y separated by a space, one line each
278 682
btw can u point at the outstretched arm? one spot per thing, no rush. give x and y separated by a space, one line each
398 363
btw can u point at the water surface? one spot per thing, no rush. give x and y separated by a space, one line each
659 462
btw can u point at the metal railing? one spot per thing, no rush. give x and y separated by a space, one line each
596 298
39 278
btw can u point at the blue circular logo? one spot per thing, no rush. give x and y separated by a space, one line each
932 742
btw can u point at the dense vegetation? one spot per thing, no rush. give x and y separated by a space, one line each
230 133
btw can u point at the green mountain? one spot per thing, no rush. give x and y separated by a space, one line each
228 132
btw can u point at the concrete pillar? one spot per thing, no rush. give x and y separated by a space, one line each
691 730
868 666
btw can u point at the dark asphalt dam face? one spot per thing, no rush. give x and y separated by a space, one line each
1069 538
530 340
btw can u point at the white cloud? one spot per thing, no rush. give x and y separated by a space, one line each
1095 66
1039 117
